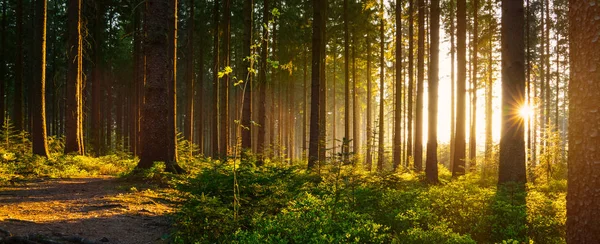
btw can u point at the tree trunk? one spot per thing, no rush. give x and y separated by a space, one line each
305 110
73 142
345 146
3 64
473 130
18 97
369 112
355 115
190 81
39 142
224 92
215 121
411 81
380 153
158 118
431 169
247 77
418 155
262 83
582 197
488 98
512 144
318 25
397 145
459 139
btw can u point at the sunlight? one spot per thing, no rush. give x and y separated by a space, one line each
526 111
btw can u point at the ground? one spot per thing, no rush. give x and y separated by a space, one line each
86 210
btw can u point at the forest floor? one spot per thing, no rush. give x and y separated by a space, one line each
85 210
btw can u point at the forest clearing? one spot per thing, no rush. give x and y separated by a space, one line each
299 121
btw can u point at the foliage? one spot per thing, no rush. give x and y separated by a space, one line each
283 204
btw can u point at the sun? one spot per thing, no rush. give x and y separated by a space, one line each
526 111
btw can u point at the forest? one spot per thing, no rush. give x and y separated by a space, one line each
299 121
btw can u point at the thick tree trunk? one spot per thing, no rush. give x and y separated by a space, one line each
583 211
73 140
431 169
39 142
512 144
97 74
159 91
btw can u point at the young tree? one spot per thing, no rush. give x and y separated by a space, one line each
459 138
512 144
582 198
431 169
73 136
318 25
160 58
39 142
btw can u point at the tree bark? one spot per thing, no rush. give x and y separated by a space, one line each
431 169
380 153
191 79
39 142
512 144
473 130
460 137
224 92
18 97
215 121
73 139
418 155
247 76
411 82
584 120
262 83
397 145
369 112
158 116
318 24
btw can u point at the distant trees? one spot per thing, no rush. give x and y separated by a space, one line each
582 198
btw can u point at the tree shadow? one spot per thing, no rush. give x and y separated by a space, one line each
509 214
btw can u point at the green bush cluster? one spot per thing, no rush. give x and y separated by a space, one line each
275 204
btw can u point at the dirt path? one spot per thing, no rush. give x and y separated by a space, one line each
101 210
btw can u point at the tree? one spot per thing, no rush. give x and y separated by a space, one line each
345 146
160 73
418 155
39 142
262 82
224 92
472 131
380 155
459 138
18 97
215 121
397 145
3 63
247 76
318 25
411 77
512 144
582 208
369 136
97 75
431 169
190 78
74 131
